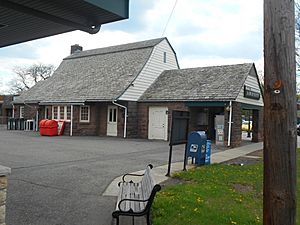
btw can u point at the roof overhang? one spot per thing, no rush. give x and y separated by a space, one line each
61 103
23 20
208 104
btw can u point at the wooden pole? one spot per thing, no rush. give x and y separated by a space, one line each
280 137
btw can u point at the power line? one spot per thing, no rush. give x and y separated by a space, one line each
169 18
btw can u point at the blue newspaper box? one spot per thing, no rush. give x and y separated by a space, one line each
196 148
208 152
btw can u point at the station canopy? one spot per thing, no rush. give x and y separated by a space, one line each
25 20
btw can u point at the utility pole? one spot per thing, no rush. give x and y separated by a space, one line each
280 136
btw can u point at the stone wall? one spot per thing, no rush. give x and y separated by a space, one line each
4 171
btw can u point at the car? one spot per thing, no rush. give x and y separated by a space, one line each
298 129
245 125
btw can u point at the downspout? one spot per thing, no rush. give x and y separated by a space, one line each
230 122
125 122
71 125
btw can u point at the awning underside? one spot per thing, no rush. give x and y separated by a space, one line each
23 20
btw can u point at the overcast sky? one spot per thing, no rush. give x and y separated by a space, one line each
202 32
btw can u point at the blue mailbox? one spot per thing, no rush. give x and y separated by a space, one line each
196 148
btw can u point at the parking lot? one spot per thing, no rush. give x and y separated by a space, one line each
60 180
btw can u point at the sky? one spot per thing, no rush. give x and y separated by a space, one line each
202 33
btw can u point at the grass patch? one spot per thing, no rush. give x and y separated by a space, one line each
213 195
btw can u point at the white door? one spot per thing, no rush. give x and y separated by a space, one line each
158 123
112 121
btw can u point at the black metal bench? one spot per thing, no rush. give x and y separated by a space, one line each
136 198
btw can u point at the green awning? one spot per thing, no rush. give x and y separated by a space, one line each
248 106
118 7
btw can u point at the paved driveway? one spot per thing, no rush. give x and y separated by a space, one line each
60 180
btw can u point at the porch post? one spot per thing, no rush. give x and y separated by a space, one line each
37 120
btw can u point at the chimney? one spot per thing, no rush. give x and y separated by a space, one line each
75 48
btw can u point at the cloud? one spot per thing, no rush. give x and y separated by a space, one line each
203 33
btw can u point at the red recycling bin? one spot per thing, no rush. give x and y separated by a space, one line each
42 127
48 128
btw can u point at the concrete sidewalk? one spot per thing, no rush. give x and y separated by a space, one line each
160 172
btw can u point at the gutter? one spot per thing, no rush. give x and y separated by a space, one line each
126 114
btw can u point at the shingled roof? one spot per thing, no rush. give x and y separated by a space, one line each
216 83
95 75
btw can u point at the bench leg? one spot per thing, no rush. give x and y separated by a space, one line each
117 220
132 220
148 218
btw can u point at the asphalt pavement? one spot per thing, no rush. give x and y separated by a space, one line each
60 180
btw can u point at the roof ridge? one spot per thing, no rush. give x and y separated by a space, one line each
116 48
203 67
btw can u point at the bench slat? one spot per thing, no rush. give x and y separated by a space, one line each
138 191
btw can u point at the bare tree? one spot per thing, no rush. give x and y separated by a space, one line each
29 76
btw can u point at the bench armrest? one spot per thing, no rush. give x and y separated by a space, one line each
136 175
130 200
131 174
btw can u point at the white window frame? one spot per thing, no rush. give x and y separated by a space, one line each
89 112
22 111
58 112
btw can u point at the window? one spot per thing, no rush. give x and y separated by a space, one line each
112 115
21 111
68 112
55 112
61 112
165 57
85 113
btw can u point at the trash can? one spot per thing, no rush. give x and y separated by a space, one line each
196 148
21 123
10 124
17 124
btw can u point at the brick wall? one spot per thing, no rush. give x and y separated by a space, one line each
102 116
143 115
29 111
132 120
236 126
90 128
257 125
85 128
